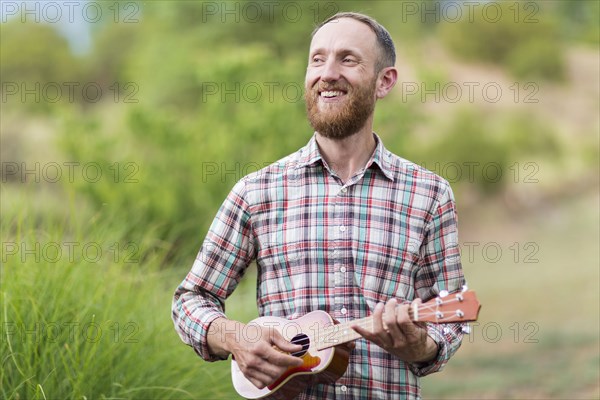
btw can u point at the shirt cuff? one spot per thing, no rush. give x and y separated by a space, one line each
201 346
442 357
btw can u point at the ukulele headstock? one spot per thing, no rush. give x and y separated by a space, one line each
455 307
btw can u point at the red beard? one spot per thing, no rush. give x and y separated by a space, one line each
338 121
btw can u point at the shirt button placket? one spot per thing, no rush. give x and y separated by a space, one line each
340 269
344 253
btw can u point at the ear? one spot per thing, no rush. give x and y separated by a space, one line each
385 81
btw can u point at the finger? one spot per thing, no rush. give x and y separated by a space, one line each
378 318
360 330
402 316
363 332
283 344
399 324
411 331
260 371
403 322
281 359
259 379
273 370
285 360
280 355
258 383
378 337
389 316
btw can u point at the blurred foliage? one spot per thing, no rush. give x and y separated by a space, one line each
514 35
485 150
45 57
194 97
537 59
578 19
36 71
209 116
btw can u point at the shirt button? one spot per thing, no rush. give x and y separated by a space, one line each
344 190
342 228
343 311
343 388
343 269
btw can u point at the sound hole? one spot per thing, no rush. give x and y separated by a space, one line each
303 340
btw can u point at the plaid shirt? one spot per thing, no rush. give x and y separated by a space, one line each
321 244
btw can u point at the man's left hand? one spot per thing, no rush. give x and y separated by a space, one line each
395 332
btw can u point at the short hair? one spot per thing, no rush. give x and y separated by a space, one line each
384 40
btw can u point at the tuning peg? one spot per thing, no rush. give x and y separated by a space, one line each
443 293
466 329
465 288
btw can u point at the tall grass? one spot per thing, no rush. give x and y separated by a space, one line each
91 324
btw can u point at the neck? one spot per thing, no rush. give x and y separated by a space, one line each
349 155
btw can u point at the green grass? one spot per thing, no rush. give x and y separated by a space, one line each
79 326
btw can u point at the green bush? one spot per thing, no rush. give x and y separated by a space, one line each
484 151
525 61
465 151
528 44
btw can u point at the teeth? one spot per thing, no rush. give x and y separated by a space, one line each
331 93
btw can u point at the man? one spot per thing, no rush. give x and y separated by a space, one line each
343 226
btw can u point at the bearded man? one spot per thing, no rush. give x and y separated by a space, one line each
342 225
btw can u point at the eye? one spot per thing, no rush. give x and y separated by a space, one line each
317 59
349 60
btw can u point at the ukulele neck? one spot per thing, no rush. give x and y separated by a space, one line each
458 307
341 333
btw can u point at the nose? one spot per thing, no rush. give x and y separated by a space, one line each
330 71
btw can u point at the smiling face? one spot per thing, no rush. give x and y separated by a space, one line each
341 80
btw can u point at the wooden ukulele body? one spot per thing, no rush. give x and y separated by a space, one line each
320 366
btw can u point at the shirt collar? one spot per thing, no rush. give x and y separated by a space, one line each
381 157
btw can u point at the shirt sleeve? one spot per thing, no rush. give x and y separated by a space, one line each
221 262
440 269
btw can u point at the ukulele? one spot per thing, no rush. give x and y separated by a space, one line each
325 360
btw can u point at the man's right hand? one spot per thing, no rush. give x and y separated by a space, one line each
263 358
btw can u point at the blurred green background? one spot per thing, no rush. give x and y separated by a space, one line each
125 124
